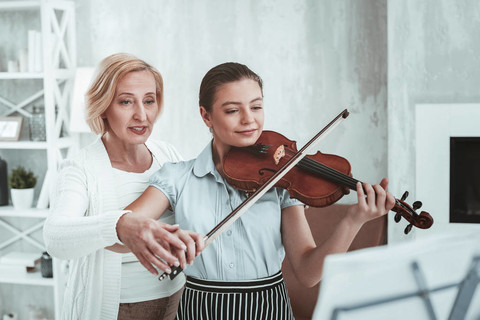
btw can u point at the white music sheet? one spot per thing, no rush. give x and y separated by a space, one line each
369 275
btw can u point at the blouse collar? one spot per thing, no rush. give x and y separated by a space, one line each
204 163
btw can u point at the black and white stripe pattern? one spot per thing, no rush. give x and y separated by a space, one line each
265 298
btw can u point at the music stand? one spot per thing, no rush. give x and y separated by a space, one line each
431 278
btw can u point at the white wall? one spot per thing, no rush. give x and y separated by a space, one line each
315 59
432 58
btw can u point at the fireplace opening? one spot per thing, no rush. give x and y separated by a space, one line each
465 179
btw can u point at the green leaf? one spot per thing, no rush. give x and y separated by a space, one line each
21 179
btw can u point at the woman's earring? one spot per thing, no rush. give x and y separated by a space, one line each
211 129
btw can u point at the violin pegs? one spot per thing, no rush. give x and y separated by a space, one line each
417 205
405 195
408 229
397 217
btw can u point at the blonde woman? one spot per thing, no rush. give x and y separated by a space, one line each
105 282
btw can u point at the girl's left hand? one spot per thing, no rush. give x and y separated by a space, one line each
374 202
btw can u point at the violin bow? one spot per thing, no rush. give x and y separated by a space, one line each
250 201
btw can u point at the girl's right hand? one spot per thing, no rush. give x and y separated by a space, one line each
195 244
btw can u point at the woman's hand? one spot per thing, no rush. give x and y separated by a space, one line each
150 241
195 245
374 202
154 243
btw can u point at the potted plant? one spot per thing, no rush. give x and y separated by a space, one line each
22 182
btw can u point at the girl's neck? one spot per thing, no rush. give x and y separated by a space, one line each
219 151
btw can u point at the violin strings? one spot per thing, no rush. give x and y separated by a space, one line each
336 176
328 172
332 174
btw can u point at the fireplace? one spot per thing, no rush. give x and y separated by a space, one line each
465 179
447 166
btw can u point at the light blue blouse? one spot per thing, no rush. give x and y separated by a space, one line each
250 248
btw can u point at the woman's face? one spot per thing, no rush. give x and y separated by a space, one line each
134 108
237 115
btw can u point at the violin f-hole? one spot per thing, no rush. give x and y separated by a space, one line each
261 171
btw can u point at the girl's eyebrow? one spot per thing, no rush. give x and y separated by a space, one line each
239 103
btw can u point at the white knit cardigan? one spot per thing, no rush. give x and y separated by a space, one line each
82 223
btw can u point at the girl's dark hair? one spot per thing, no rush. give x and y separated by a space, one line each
220 75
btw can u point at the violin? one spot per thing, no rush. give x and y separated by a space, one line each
317 180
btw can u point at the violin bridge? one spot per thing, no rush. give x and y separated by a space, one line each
279 154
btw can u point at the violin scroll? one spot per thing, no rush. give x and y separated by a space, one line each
423 220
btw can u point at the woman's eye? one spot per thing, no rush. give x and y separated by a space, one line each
231 111
257 107
149 101
125 102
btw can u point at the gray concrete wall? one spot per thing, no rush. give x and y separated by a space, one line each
315 57
432 58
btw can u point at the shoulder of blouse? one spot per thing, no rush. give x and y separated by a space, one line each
162 147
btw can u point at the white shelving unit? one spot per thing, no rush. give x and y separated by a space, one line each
34 278
6 274
57 28
16 276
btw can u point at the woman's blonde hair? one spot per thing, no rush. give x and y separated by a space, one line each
101 92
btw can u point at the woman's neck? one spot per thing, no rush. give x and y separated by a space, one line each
127 157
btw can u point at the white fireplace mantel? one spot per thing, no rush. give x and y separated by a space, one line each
434 125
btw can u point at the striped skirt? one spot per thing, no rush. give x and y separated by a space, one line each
265 298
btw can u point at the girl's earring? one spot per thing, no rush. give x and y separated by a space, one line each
211 129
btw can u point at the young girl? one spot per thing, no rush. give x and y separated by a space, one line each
238 276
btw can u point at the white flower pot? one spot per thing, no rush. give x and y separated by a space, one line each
22 198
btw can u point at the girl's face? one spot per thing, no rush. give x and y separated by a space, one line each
237 114
134 108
